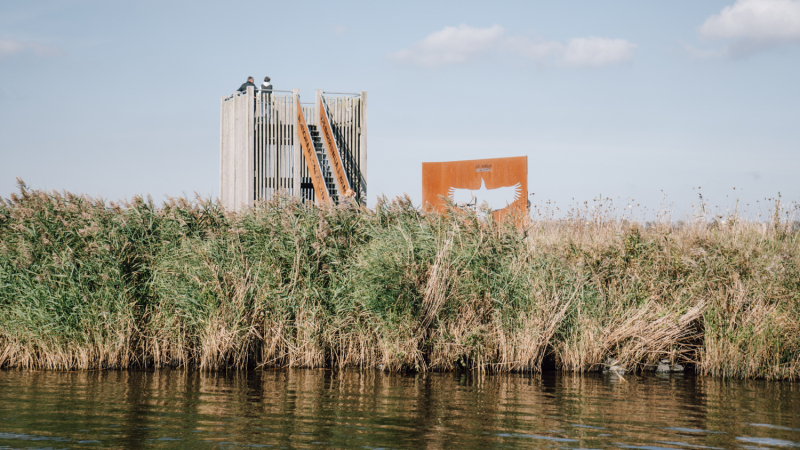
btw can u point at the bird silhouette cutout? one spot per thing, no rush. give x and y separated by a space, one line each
496 199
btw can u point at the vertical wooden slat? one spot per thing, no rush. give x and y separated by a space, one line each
262 146
224 155
281 156
285 165
241 151
297 152
251 140
284 154
268 162
236 119
282 148
257 156
278 143
271 151
362 163
239 117
274 162
350 128
265 147
278 149
256 146
223 147
230 125
237 143
284 162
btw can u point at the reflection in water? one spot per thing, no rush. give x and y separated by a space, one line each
352 409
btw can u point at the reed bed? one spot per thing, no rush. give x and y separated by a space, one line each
87 284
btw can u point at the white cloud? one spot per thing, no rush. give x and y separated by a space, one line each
596 52
754 24
9 47
340 30
756 19
452 45
463 44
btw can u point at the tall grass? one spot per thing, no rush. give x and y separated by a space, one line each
85 284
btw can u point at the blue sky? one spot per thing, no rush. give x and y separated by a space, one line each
626 99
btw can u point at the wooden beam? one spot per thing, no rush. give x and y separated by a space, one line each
314 170
339 175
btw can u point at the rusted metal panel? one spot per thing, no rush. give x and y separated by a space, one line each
332 150
499 183
314 170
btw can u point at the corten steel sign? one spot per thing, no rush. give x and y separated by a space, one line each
500 184
332 150
314 170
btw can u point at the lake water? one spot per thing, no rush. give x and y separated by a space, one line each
370 409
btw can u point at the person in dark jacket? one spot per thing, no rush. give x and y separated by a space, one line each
243 87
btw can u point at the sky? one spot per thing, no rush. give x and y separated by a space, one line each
630 100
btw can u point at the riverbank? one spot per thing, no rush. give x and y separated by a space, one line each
85 284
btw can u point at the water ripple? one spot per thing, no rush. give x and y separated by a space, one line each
366 409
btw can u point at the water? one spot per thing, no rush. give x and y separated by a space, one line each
351 409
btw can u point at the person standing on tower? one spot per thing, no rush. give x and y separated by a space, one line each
266 94
249 82
266 86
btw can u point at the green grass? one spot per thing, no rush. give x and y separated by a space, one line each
85 284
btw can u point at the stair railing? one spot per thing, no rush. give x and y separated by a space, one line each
332 150
314 168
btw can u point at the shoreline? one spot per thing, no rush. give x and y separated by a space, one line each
86 285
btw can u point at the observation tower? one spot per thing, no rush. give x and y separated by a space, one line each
270 142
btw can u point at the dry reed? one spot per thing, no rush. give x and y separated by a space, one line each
85 284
